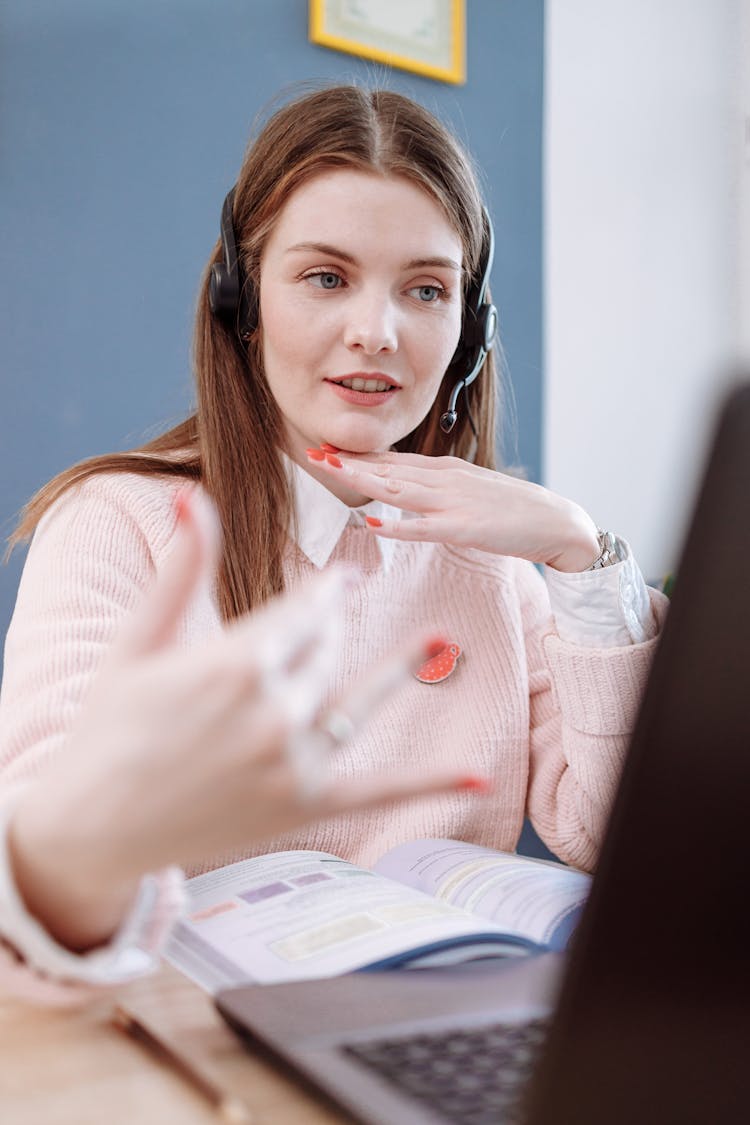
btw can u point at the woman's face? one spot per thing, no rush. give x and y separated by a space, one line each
360 296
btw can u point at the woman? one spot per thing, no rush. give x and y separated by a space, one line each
327 355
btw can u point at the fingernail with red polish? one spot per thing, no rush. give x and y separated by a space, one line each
373 521
476 783
332 459
315 454
195 511
182 505
327 448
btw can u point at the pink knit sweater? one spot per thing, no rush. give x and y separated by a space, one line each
548 720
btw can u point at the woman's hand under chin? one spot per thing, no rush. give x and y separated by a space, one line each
453 501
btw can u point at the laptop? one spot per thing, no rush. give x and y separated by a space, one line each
647 1018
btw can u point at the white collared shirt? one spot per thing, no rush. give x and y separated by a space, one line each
321 518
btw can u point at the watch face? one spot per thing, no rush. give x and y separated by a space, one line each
601 538
612 551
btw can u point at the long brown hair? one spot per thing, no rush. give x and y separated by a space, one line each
232 443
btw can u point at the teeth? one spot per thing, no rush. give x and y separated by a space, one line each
368 385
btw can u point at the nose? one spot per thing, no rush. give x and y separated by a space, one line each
371 324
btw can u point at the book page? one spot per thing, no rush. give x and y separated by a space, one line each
534 897
300 915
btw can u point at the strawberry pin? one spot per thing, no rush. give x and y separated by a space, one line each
439 666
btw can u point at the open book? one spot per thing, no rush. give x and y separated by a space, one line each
298 915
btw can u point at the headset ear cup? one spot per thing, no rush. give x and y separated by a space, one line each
491 332
481 330
486 327
223 292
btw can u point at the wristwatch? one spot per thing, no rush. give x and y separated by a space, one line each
609 550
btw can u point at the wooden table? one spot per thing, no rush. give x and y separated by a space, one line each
77 1068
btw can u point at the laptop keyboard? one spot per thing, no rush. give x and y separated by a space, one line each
466 1077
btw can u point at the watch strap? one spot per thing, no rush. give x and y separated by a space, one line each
609 550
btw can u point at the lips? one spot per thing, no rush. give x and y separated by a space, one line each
361 390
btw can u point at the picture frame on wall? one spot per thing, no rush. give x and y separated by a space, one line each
427 37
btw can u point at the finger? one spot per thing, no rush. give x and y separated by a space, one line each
306 750
361 700
357 793
302 690
427 471
293 644
409 466
193 559
390 456
413 490
285 654
308 746
418 529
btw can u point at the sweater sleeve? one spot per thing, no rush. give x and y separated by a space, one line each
583 706
35 968
91 558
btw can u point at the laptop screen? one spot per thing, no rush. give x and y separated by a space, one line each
654 1018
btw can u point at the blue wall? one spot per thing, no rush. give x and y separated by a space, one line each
122 124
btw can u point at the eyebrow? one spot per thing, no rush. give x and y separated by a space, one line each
342 255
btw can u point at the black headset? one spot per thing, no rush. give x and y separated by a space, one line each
231 302
478 328
227 288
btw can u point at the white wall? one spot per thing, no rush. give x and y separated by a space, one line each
743 242
646 170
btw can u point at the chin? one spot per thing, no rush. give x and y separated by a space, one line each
362 439
364 447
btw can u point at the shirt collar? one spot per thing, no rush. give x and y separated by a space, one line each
321 518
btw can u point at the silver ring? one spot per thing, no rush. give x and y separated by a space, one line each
337 725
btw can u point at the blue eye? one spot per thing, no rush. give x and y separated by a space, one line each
327 280
428 293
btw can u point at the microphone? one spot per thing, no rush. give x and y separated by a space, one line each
481 335
448 419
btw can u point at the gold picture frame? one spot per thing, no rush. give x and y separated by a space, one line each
427 37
